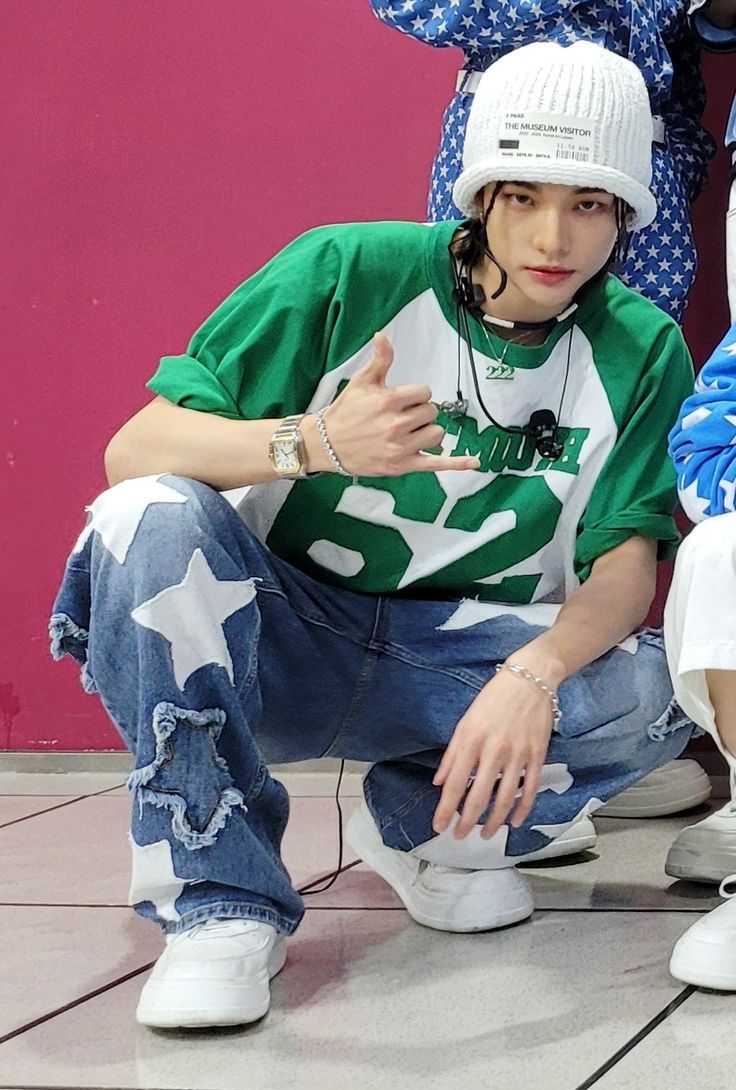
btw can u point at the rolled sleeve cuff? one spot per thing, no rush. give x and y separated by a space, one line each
594 542
186 382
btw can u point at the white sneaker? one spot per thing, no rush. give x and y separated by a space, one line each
215 974
445 898
706 954
578 838
706 852
676 786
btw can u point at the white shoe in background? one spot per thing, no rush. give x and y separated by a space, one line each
706 954
706 852
676 786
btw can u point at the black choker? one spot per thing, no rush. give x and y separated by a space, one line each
548 323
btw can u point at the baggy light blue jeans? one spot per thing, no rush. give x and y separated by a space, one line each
214 659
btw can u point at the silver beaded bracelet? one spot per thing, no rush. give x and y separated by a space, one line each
549 693
328 446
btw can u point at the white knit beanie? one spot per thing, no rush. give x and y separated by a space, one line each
575 115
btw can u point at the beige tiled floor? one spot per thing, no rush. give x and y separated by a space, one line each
367 998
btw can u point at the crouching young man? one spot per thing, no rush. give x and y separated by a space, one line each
443 561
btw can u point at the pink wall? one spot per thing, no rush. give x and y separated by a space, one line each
156 154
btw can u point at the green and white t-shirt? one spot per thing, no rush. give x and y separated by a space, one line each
521 529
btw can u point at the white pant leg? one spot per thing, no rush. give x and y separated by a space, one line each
700 618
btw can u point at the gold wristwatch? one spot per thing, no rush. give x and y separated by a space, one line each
286 449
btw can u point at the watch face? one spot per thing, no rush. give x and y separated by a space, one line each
285 457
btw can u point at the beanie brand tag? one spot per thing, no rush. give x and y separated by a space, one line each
547 136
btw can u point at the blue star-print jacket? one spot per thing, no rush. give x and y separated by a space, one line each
656 36
703 442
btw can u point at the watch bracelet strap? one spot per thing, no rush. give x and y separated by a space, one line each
289 429
288 426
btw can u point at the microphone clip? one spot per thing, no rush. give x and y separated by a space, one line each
543 429
454 409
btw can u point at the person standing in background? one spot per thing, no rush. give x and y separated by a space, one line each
658 38
700 636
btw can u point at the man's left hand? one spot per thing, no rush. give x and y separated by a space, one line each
503 736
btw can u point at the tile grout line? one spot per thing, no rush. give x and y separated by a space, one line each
595 1077
400 908
632 911
592 1079
326 877
37 813
351 908
59 805
56 1086
644 1032
74 1003
56 904
128 976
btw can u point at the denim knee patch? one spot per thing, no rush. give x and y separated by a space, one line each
188 776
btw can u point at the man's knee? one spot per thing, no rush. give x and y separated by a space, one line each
118 514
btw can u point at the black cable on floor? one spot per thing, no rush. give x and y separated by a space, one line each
305 890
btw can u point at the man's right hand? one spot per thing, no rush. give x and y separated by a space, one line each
377 430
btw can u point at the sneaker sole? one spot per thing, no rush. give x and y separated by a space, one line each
241 1003
689 859
663 802
364 838
689 973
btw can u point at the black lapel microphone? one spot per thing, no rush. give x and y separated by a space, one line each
543 429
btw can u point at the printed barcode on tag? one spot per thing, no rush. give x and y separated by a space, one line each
582 155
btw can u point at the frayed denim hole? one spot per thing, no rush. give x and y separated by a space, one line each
671 719
188 777
652 637
69 638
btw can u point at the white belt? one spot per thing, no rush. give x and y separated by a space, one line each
468 80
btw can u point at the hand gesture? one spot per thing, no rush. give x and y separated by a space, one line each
379 430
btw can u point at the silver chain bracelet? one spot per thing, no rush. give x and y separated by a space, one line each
328 445
549 693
